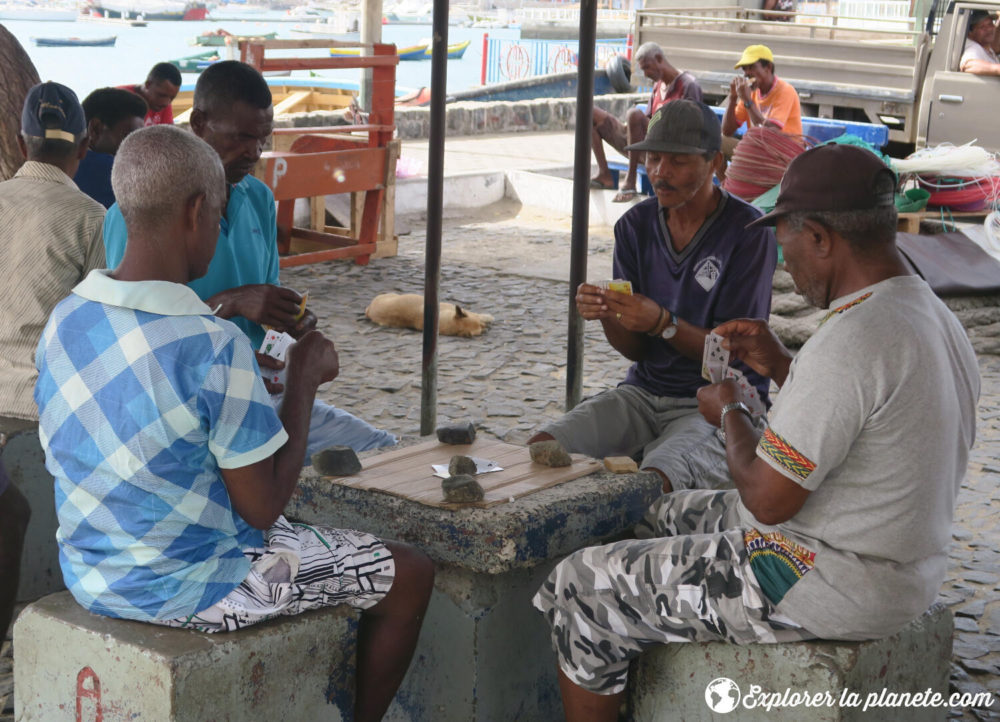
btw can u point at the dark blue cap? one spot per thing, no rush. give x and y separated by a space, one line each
56 106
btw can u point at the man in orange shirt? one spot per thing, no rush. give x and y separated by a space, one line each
161 87
760 98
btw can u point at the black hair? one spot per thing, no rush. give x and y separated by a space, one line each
112 105
164 71
228 82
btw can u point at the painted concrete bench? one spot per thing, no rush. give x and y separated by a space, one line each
75 665
761 681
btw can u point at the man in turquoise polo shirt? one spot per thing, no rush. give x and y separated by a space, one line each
233 114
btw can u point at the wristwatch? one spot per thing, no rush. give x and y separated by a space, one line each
671 328
734 406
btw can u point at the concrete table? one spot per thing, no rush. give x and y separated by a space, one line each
484 652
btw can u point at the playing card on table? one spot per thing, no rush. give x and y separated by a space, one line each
715 359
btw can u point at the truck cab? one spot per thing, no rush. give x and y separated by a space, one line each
957 107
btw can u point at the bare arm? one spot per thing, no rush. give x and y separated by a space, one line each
980 67
260 491
262 303
770 496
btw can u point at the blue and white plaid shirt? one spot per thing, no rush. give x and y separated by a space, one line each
143 397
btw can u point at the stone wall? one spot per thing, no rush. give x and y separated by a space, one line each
476 118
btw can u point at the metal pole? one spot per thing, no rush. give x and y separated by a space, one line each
370 32
435 198
581 198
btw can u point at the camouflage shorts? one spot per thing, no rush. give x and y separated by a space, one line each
690 582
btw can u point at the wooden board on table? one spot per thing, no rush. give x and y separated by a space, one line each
407 472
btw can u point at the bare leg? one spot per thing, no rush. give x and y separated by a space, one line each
580 705
636 123
388 632
14 515
596 141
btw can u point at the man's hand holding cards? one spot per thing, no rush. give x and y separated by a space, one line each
275 346
715 368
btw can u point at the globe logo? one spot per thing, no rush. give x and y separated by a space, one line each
722 695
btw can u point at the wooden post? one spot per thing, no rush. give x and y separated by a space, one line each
370 32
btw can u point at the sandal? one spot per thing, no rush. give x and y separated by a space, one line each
625 195
594 183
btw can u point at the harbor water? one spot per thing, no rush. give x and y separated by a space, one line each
138 48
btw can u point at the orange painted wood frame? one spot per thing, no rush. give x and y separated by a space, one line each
319 165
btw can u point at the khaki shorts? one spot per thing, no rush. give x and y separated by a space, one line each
661 432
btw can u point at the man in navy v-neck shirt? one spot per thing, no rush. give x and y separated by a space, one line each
692 265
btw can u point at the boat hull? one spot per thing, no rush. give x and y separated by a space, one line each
172 11
414 52
74 42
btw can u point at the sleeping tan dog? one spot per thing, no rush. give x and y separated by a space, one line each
406 310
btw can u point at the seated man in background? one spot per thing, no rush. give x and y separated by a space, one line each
172 467
233 114
840 521
979 56
761 98
159 90
669 83
692 265
112 113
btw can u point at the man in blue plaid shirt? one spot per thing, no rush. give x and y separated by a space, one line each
172 467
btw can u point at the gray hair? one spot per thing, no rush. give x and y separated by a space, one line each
158 169
648 50
866 230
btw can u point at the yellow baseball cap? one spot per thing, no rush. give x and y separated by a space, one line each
753 53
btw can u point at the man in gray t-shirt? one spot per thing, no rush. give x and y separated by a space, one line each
839 523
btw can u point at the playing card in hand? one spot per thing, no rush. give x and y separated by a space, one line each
715 360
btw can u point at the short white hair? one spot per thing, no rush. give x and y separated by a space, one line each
648 50
158 169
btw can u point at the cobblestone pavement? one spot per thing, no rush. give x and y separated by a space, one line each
513 377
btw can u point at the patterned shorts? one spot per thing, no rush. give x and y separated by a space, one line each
690 582
301 567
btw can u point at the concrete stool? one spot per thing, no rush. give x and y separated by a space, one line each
74 665
671 682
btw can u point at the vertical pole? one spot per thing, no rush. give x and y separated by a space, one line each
435 200
581 197
370 33
486 48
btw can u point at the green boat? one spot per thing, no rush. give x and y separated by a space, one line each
217 38
196 63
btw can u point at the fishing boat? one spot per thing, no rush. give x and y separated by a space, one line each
455 50
289 95
413 52
196 63
218 38
75 42
149 9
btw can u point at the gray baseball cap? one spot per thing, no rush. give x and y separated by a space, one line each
682 126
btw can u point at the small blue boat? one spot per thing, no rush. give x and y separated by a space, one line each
75 42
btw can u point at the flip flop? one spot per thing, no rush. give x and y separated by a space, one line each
594 183
624 196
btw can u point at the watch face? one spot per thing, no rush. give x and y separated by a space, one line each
670 331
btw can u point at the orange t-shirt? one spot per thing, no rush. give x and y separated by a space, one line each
780 106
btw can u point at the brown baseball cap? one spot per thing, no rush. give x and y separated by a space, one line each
831 177
683 127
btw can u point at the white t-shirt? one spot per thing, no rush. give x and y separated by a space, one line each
875 419
975 51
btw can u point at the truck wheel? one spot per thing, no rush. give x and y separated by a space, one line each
620 73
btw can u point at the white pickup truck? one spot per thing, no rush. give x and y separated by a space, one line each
903 74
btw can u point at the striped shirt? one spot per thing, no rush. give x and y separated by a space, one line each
51 240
